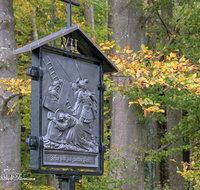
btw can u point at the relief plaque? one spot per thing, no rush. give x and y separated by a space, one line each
70 112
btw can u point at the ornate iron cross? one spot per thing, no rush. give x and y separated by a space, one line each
69 18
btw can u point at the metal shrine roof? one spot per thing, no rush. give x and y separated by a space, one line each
85 46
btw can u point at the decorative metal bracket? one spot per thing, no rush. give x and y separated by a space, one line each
33 72
103 147
32 142
102 86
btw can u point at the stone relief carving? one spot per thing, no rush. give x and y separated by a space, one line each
65 130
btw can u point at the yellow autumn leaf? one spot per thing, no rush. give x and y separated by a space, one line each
173 160
194 75
129 51
138 75
172 55
161 110
193 163
154 73
169 58
117 61
182 59
181 79
142 46
139 100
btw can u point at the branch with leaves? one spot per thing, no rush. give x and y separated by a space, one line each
14 87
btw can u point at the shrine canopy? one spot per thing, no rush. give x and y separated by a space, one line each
85 46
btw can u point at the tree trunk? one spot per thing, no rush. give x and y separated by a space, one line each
128 24
89 17
110 22
126 130
10 129
50 180
53 20
176 181
34 27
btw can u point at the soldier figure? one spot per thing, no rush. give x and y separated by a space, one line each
86 103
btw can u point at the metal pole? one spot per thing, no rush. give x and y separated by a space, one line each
69 18
69 182
72 182
65 184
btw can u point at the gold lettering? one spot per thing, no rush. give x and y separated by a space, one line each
65 42
75 45
71 44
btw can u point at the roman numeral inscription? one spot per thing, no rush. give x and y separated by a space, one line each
70 44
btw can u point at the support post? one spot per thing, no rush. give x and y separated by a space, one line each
69 18
68 182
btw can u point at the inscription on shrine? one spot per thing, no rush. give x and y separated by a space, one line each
73 159
70 112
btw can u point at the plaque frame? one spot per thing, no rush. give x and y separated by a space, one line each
36 152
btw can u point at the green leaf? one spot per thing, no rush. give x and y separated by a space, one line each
118 49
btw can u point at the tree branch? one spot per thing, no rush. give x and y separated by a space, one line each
171 40
6 100
168 31
167 145
2 97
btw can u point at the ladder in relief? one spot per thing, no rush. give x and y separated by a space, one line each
50 69
54 76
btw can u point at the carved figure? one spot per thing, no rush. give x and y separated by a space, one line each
69 133
86 103
54 133
54 90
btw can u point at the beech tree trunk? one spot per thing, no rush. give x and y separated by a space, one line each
128 27
176 181
53 19
10 129
34 27
89 17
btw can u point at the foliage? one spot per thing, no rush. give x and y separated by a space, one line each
147 78
176 25
157 84
114 168
191 171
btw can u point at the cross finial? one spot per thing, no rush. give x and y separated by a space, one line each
69 18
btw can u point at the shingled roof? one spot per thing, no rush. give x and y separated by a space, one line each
85 46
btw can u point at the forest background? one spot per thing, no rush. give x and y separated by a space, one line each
151 106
